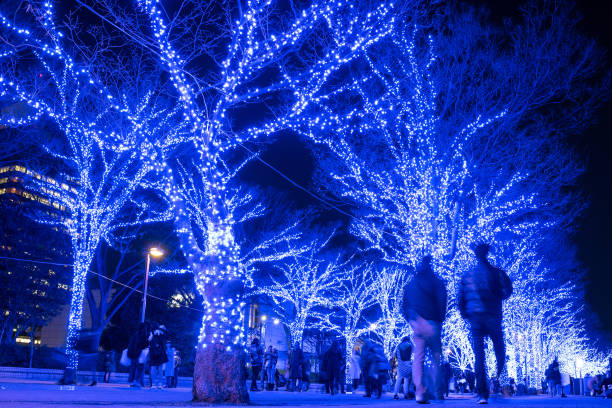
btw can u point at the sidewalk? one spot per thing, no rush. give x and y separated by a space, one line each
30 394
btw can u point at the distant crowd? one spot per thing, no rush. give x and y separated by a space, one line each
481 293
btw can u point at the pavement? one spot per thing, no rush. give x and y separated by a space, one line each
26 394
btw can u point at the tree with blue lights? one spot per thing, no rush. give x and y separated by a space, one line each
452 132
105 145
239 83
301 286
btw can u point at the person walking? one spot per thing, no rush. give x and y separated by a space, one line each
481 293
296 362
355 370
425 302
137 355
365 363
270 360
403 356
157 355
378 370
332 359
256 356
553 377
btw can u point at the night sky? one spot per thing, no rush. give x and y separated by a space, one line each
593 234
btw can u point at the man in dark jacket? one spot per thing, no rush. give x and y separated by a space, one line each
332 360
480 297
425 306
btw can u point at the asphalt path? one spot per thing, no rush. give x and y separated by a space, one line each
26 394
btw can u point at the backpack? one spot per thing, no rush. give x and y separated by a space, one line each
156 349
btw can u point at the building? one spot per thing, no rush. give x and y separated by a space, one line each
34 257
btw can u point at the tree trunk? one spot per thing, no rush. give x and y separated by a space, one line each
75 319
219 375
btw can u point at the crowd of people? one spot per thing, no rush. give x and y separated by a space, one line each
149 350
481 292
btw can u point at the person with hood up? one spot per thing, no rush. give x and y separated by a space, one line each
425 302
158 356
403 355
481 293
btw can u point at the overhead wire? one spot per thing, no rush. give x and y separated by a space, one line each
102 276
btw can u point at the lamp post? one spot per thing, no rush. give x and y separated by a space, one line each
156 253
579 364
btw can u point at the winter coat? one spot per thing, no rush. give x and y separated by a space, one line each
157 347
553 373
425 296
169 367
332 359
256 355
296 361
482 290
270 358
138 342
379 365
404 366
355 370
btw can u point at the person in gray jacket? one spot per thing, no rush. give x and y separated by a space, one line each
425 301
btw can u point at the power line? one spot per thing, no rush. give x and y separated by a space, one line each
102 276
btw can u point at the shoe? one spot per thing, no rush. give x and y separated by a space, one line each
423 401
367 395
406 396
93 383
483 401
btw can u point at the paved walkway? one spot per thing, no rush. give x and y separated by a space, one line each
26 394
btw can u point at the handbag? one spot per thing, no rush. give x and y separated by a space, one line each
144 355
125 360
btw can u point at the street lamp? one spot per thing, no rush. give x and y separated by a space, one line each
155 253
579 364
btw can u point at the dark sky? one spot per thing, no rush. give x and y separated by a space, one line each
594 236
594 147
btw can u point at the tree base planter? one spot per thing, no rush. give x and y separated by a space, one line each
219 375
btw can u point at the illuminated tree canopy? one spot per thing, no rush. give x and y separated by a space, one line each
432 127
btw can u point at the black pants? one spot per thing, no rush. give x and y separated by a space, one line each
256 371
481 328
332 380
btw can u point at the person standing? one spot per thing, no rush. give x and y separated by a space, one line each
256 356
332 360
481 293
157 355
447 373
403 356
553 377
425 302
169 366
355 370
270 358
296 363
136 347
